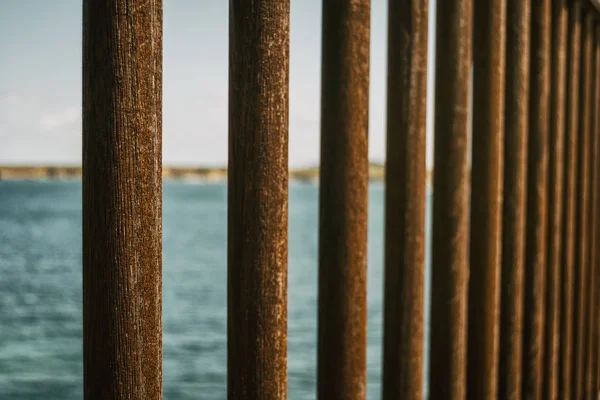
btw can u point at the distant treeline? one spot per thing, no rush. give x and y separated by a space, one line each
376 173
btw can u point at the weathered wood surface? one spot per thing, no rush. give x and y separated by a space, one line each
489 42
405 189
259 34
122 199
450 269
514 202
342 313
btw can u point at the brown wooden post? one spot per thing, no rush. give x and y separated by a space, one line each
450 270
537 177
555 198
593 200
513 215
486 197
566 350
122 206
587 274
258 199
342 325
596 349
405 200
596 201
581 249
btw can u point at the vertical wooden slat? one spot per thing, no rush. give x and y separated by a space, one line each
596 201
486 197
405 200
450 274
596 224
257 199
535 258
513 213
555 198
343 200
566 350
593 199
122 206
581 249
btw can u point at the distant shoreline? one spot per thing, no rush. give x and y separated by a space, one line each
207 174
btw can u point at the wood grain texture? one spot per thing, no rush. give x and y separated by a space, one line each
122 199
405 200
489 43
450 269
343 194
570 203
581 234
595 384
555 198
592 240
257 199
537 196
516 119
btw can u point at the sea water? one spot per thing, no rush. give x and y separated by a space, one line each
41 299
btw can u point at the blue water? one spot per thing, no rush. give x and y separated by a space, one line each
40 290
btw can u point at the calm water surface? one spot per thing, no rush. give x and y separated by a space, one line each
40 290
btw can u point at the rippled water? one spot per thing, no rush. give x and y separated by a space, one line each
40 290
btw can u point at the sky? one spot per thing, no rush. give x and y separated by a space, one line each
40 82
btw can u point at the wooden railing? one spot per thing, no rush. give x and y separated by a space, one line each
515 260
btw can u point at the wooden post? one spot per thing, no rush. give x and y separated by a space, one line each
581 249
122 206
596 232
513 215
556 170
486 197
257 199
570 204
593 200
450 270
535 258
342 321
587 273
405 200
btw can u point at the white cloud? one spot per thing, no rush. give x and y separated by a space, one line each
51 121
18 98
